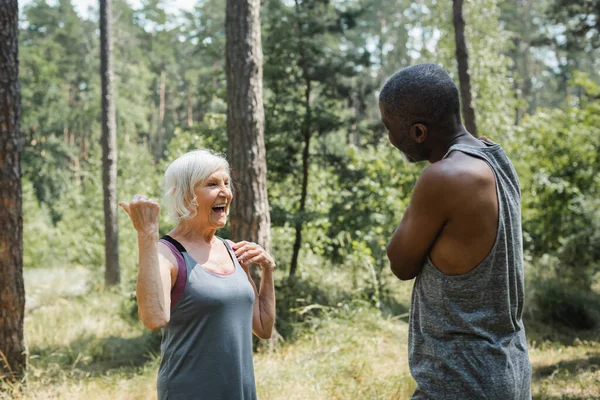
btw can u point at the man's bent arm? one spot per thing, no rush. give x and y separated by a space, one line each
423 220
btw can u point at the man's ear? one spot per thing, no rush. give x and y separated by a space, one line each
418 132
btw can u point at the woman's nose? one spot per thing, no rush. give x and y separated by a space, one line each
225 191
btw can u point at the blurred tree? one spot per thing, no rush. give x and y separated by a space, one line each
250 216
160 45
464 75
12 292
580 21
109 147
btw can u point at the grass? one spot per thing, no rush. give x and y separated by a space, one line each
566 372
354 353
83 345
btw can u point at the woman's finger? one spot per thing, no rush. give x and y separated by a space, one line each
249 254
253 260
245 247
237 245
125 207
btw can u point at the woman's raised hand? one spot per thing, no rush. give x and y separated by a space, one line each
144 214
249 253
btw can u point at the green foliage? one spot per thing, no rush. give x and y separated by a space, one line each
210 133
49 166
374 186
39 234
580 22
338 53
323 64
556 154
560 304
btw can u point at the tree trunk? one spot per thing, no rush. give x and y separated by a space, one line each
161 118
306 134
464 77
250 218
190 109
12 292
304 190
112 275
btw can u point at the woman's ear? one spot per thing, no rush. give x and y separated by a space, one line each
418 132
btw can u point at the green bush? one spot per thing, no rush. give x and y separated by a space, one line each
39 234
556 155
560 304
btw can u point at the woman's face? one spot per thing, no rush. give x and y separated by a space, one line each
214 197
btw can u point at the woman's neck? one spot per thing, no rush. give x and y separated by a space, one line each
191 231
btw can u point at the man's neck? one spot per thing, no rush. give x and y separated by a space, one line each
462 136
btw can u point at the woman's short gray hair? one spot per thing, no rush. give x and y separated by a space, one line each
182 177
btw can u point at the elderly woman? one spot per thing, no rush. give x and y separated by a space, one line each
197 286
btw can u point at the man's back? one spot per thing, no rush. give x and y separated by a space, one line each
467 338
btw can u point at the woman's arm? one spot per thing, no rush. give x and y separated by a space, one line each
154 283
155 271
263 318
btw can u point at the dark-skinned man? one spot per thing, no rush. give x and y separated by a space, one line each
461 238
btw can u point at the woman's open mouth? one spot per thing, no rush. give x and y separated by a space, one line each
219 210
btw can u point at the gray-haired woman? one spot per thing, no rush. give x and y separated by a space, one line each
197 286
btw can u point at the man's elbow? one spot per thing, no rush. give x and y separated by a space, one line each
401 269
402 273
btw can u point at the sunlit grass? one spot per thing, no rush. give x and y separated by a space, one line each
356 354
82 345
566 372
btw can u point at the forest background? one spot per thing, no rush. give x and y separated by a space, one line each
332 177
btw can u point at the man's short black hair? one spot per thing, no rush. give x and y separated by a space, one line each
422 93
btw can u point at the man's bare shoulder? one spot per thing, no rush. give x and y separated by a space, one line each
464 171
454 177
443 174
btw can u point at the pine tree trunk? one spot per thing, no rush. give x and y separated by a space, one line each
250 218
190 109
161 117
12 292
306 134
464 77
112 275
306 128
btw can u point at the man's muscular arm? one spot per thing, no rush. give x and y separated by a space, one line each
422 222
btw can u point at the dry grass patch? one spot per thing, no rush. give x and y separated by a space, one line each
355 356
566 372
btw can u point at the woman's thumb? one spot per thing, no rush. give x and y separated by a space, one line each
125 207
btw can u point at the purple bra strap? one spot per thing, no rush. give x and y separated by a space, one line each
178 288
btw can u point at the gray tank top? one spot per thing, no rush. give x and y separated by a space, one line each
206 349
466 335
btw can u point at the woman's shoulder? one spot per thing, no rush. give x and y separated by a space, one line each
168 253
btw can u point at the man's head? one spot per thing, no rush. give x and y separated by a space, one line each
417 103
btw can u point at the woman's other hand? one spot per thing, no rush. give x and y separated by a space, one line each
249 253
144 214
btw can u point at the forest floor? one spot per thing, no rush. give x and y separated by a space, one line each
83 344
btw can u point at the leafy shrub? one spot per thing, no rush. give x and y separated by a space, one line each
39 234
560 304
556 155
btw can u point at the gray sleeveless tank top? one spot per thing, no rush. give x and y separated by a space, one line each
466 335
206 349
